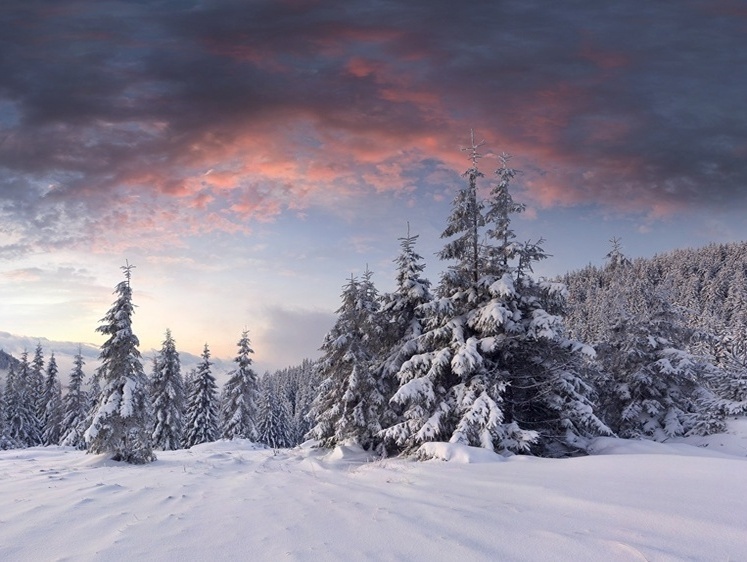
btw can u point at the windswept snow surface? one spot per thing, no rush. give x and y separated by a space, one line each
232 500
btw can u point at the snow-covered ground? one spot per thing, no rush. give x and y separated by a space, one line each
235 501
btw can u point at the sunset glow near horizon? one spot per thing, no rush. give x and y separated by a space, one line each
248 157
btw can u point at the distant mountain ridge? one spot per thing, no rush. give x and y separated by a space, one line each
12 345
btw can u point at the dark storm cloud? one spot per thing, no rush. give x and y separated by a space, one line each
637 105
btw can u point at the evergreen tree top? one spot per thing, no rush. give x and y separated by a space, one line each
52 365
38 362
243 357
127 269
615 257
473 155
117 324
24 366
205 358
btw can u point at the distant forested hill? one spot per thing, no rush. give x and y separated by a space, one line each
708 285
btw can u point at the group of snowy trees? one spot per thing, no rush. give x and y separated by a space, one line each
124 412
490 357
497 359
33 410
671 359
485 361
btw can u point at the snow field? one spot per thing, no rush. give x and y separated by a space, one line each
232 500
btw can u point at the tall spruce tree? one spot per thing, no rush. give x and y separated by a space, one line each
403 308
169 399
463 228
75 407
53 400
239 404
350 402
403 321
36 392
122 420
202 405
493 369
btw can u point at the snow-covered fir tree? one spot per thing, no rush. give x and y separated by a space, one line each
36 391
75 405
273 429
239 404
403 309
403 321
201 419
463 227
494 368
22 425
616 259
169 399
350 403
53 399
121 424
282 397
189 380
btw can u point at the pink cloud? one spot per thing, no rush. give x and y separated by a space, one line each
255 203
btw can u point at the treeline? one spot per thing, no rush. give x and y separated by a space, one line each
489 357
708 285
670 334
182 409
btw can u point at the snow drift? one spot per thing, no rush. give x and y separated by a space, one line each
235 500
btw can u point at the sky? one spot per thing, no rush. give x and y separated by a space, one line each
249 156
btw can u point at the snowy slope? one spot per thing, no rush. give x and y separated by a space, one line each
235 501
